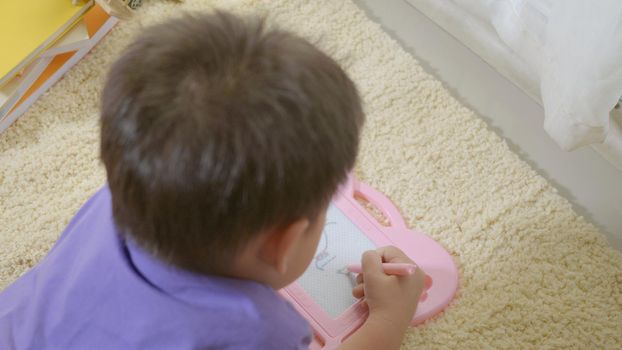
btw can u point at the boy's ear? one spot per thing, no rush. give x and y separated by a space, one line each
278 248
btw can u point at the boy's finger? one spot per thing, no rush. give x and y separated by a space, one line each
393 254
359 278
358 291
427 282
372 263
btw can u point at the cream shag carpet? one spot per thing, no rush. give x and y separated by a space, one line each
534 274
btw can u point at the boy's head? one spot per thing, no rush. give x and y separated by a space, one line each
215 129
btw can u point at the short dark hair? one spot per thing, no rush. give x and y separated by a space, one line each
214 128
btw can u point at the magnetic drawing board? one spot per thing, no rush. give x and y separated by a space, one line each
323 293
326 280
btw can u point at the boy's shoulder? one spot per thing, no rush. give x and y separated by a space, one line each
94 288
237 312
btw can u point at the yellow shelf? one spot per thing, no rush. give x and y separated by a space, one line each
29 27
41 70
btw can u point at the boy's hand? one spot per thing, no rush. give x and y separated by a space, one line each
390 299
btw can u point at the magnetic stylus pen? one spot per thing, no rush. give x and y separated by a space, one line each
401 269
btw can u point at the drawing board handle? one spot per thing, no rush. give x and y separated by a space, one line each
378 200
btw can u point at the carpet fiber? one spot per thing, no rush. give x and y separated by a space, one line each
534 274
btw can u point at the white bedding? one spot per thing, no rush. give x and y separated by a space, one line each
565 54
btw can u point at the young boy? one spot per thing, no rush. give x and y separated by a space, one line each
223 144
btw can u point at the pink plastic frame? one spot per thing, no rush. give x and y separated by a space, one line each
435 261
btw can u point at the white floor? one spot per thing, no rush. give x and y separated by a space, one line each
587 180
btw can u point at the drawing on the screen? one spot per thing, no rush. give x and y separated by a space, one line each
326 280
324 257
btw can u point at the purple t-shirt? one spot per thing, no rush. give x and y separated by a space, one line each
96 291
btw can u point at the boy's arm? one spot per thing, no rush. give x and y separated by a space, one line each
392 301
375 333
